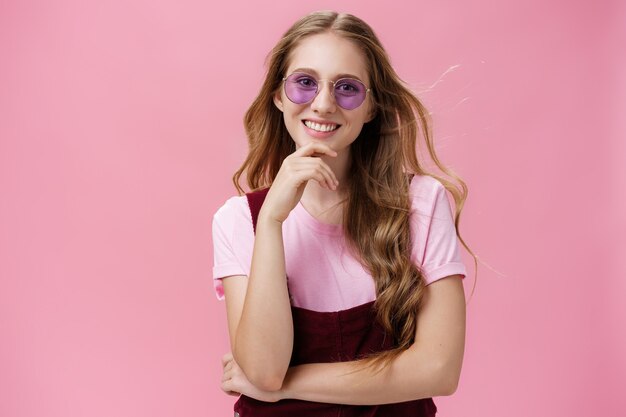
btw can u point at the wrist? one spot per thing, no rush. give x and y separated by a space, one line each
266 220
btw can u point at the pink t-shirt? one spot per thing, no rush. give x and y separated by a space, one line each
322 274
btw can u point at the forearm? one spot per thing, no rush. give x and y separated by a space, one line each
409 377
264 339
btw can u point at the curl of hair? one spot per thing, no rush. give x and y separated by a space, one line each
376 213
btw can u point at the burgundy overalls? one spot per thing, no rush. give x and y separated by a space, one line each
321 337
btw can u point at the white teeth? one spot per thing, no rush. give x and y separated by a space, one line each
320 127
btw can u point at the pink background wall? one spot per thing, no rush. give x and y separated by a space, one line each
120 127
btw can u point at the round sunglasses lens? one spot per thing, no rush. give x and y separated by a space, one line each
349 93
300 88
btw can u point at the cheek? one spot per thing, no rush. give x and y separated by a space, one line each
294 113
361 118
368 111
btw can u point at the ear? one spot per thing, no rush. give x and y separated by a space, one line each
278 100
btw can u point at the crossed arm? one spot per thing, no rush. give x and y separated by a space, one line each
430 367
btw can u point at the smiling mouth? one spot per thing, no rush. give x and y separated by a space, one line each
321 127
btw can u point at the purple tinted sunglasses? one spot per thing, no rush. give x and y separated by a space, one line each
301 88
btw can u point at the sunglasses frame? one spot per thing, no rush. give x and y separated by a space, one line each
332 91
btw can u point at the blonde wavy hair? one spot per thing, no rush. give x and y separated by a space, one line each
376 212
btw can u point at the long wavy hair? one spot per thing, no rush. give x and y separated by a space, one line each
376 212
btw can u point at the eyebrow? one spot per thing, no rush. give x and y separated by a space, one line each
339 76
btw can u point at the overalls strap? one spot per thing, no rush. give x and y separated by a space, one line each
255 201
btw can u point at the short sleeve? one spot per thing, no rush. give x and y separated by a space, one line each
233 239
435 244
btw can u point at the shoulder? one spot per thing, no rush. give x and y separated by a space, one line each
425 183
234 211
235 204
424 192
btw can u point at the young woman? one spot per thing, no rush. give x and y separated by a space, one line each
341 268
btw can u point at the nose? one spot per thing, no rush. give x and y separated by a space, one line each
324 101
